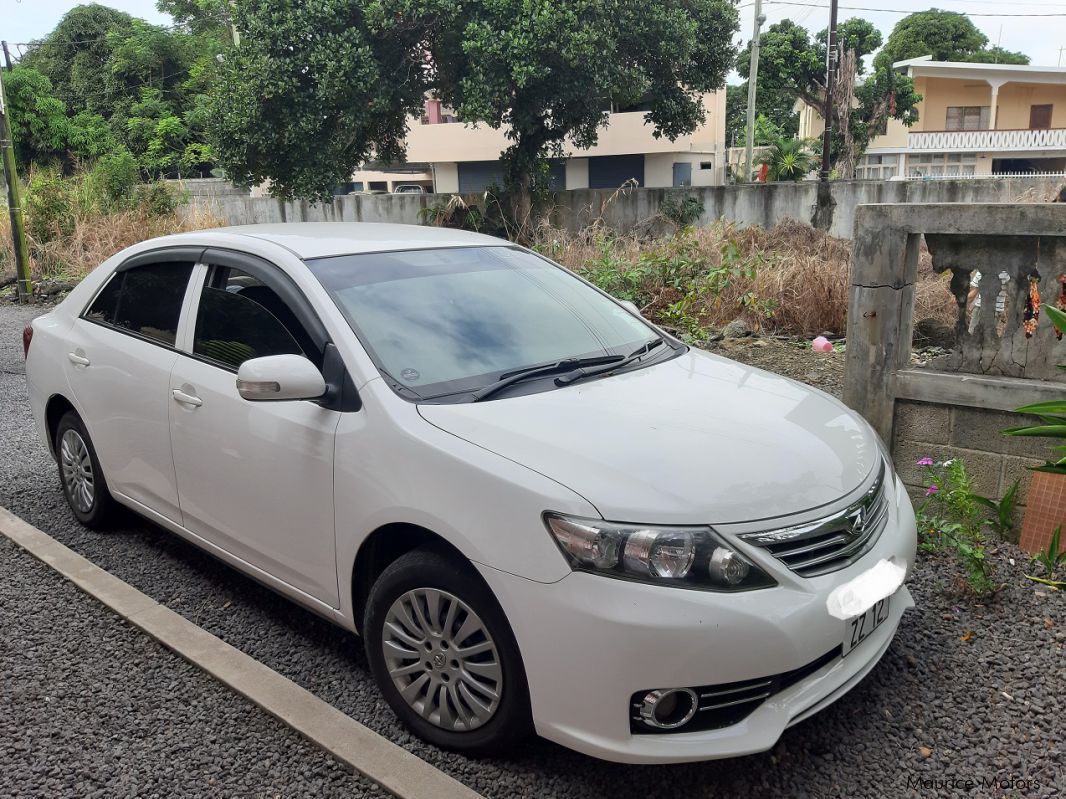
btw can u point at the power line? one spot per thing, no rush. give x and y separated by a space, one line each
908 13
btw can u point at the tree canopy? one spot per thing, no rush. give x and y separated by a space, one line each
946 36
103 80
315 89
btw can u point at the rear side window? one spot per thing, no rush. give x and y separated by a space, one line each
145 300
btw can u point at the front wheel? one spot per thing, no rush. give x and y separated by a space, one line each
79 472
444 655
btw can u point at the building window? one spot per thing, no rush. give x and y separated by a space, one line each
941 165
878 167
705 165
968 117
1040 117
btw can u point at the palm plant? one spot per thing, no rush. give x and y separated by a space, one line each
788 159
1052 414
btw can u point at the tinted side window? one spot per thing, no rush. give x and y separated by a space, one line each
145 300
231 328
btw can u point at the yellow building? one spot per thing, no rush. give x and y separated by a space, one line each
452 157
973 120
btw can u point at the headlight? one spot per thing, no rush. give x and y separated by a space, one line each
685 557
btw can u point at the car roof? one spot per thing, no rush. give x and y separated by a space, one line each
325 239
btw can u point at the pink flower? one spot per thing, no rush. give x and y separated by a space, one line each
925 462
932 490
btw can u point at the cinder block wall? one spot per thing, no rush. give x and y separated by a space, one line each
993 461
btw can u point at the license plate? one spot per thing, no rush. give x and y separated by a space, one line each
859 628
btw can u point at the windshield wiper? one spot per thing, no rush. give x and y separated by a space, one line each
530 372
580 374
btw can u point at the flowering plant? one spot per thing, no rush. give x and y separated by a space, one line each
951 519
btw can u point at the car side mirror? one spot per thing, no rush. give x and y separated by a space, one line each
632 306
280 377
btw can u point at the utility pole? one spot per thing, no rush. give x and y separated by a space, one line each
753 79
14 206
832 62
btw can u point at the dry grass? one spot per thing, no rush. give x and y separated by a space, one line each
95 238
790 279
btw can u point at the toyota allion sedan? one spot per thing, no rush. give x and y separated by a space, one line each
540 511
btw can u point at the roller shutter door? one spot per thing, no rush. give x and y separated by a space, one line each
611 171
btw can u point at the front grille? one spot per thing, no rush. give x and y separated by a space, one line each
728 703
833 542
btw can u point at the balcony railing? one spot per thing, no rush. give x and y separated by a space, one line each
975 141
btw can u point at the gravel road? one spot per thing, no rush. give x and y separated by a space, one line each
942 705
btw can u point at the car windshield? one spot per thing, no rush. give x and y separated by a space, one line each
446 321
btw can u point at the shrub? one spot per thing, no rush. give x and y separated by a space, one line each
118 177
682 211
156 199
73 226
50 207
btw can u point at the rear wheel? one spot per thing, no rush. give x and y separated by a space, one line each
79 472
444 655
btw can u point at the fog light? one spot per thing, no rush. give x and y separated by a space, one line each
668 708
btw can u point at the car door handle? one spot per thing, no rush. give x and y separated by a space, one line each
186 399
79 360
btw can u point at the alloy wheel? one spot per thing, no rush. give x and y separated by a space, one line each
77 470
442 659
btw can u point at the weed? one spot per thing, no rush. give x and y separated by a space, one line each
950 520
1051 558
1002 518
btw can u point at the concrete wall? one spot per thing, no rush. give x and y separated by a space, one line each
754 204
993 461
208 187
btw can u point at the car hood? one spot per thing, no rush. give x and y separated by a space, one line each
695 439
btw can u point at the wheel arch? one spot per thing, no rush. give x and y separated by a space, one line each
383 546
54 410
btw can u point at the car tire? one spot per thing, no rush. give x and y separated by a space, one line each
80 474
435 633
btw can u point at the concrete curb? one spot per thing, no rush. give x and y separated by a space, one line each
390 766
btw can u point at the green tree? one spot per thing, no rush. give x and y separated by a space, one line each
312 93
315 90
76 56
39 125
199 16
103 66
946 36
791 64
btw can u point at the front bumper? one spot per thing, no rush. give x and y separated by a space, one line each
590 642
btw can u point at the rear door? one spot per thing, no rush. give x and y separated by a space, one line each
118 361
254 478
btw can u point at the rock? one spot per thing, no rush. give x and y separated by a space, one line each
738 328
933 333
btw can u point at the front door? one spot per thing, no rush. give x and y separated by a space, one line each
682 173
254 478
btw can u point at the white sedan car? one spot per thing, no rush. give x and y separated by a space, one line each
539 511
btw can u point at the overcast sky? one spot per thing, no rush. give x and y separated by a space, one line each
1040 37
